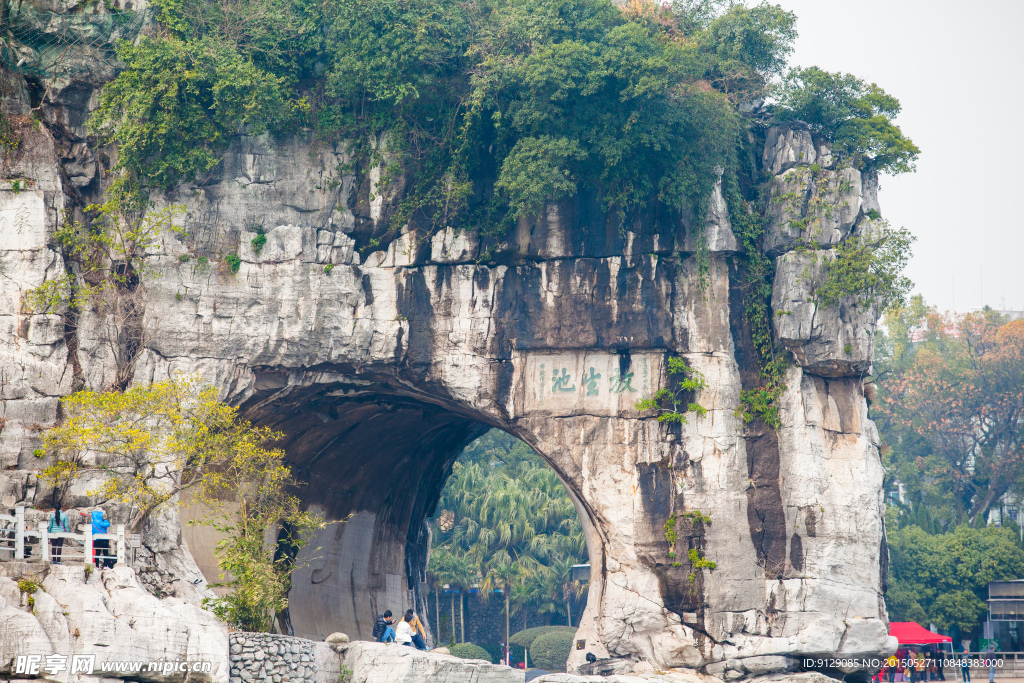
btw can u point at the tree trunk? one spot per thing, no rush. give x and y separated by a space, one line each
508 653
453 615
437 612
462 616
568 610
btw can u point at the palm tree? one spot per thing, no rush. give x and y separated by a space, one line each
501 573
561 570
510 515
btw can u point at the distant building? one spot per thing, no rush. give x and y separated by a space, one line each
1006 614
1009 315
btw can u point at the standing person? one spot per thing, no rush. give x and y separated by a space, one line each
59 524
418 634
403 634
965 664
101 547
921 668
990 655
891 668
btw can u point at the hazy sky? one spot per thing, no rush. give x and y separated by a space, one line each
958 70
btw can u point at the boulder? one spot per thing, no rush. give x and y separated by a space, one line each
830 340
812 208
786 146
390 663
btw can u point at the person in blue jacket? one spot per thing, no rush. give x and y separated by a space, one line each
101 547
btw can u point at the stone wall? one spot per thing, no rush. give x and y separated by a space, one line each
262 657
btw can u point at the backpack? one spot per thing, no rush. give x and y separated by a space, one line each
379 627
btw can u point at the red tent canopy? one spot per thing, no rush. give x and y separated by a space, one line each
910 633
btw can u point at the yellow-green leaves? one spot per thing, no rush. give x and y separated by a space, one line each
155 441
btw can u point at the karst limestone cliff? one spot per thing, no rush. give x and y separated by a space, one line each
380 363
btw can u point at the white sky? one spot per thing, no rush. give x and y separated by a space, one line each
958 70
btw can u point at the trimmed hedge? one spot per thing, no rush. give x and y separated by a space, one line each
551 650
494 650
470 651
526 637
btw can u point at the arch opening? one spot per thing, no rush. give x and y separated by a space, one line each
503 505
374 458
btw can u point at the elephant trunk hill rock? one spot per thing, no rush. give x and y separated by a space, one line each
381 359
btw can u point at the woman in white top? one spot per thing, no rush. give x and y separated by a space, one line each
403 634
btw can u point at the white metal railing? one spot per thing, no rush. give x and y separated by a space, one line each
14 533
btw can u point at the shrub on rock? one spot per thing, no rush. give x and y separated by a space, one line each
551 650
470 651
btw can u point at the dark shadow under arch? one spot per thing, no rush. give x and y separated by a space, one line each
376 454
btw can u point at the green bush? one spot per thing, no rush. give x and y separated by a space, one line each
494 650
234 262
551 650
177 105
526 637
854 116
469 651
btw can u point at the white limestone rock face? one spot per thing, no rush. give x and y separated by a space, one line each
390 663
382 367
787 146
831 340
812 208
108 615
718 233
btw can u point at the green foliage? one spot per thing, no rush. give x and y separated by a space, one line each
944 578
537 170
469 651
505 520
672 404
696 516
494 652
869 270
538 99
698 562
526 637
234 262
744 46
259 576
551 650
29 586
950 409
670 531
258 242
760 402
854 116
176 105
328 268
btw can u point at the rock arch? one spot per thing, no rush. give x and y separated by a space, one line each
446 333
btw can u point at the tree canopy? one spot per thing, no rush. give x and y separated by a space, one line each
951 410
489 108
505 522
943 578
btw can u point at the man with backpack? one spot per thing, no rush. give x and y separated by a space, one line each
383 631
